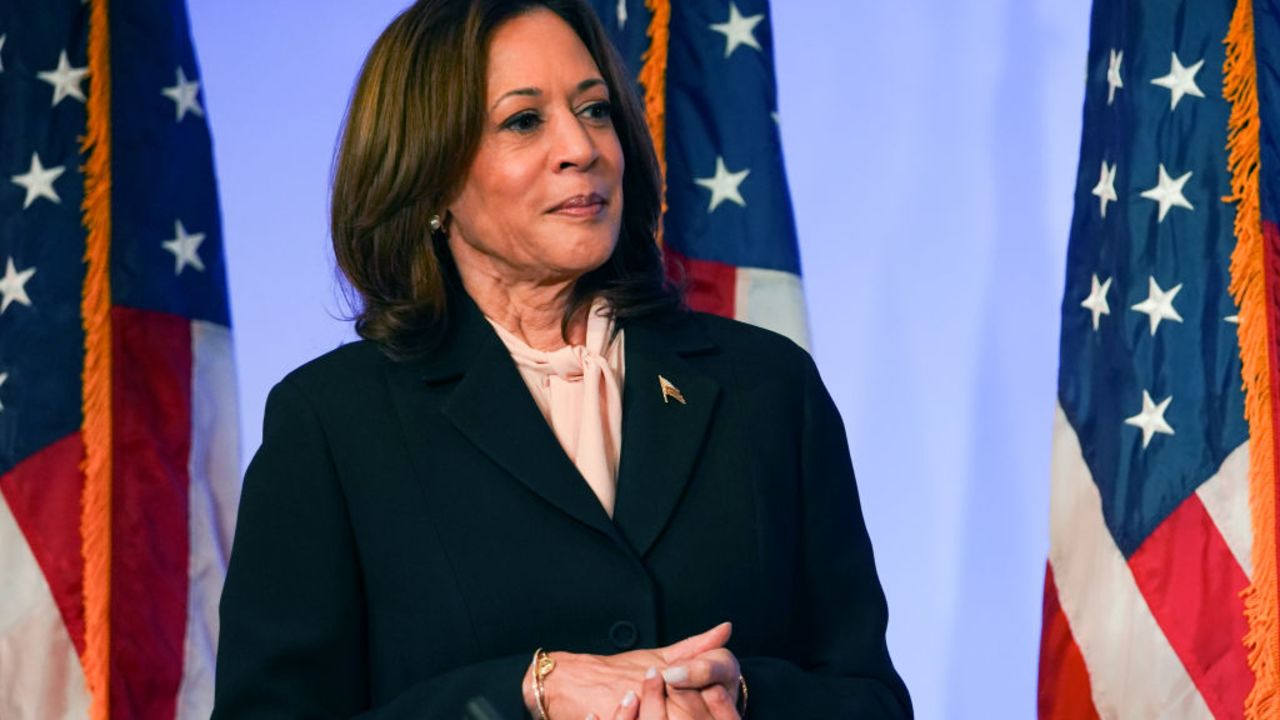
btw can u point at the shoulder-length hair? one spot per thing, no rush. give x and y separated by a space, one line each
411 133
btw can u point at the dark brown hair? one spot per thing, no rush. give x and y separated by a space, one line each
412 131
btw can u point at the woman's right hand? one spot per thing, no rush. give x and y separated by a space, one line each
583 684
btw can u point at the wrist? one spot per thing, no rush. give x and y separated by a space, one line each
534 690
526 691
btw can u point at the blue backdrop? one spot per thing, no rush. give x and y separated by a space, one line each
931 148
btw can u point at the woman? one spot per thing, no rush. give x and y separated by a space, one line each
534 446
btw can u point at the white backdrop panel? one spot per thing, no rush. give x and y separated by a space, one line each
931 148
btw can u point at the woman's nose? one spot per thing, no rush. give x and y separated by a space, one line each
574 146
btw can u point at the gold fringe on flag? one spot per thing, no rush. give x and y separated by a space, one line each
1254 298
653 76
95 314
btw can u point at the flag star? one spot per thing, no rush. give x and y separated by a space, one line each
1159 304
1168 192
1097 300
65 79
1105 190
622 13
185 248
1233 319
738 30
1151 419
723 185
38 181
1180 81
3 377
13 286
184 95
2 37
1114 81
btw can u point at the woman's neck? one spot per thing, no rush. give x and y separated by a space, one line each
530 309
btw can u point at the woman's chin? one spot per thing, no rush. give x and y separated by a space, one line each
584 251
585 265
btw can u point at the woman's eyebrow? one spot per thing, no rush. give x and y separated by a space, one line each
529 91
536 92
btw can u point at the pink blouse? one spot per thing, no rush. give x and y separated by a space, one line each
578 388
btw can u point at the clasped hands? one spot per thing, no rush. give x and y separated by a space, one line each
694 679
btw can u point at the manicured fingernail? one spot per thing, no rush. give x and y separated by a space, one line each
676 674
651 673
629 699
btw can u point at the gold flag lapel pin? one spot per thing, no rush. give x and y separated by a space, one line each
669 391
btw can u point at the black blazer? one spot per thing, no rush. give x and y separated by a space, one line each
410 532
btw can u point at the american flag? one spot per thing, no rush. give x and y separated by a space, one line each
118 439
729 229
1151 537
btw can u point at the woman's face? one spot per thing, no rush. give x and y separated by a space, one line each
542 201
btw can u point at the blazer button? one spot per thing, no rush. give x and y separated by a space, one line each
623 634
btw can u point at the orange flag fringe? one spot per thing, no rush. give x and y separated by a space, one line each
95 306
653 76
1254 295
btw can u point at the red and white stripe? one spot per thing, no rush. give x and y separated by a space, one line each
40 674
771 299
175 490
213 496
1159 635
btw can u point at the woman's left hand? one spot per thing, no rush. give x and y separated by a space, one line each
658 701
704 672
711 703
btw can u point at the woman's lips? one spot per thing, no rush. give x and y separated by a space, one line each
581 206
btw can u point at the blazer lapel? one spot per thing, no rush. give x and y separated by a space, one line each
491 405
661 435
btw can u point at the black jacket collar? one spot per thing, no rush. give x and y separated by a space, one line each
661 437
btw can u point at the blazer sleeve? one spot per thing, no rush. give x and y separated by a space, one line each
293 638
841 614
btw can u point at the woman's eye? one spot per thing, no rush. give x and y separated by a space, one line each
599 111
524 122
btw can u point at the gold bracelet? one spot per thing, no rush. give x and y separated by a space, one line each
542 667
742 697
